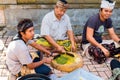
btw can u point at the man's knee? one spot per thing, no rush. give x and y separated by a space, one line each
12 77
114 64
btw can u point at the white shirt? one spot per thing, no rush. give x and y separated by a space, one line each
55 28
17 55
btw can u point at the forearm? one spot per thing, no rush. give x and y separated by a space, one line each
115 38
71 37
35 64
51 41
40 48
94 42
113 35
54 44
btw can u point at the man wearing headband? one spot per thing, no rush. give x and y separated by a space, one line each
96 26
18 55
56 29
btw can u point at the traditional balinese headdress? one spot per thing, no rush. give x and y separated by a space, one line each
62 4
107 4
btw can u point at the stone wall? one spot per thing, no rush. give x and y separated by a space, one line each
78 17
2 21
73 3
80 10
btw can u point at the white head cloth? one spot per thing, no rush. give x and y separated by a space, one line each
107 4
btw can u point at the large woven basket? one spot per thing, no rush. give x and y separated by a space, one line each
78 62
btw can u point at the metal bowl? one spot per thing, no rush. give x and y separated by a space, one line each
34 77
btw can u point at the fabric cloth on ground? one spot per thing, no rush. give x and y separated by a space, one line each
65 43
115 67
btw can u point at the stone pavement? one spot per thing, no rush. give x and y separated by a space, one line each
102 70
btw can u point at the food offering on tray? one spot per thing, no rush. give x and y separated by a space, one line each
67 62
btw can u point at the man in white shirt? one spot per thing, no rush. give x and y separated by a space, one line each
18 54
56 29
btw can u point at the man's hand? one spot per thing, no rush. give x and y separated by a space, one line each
47 60
73 48
61 49
106 52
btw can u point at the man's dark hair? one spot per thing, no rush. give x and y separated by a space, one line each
110 1
23 25
64 1
101 9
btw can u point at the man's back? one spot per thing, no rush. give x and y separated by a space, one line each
17 54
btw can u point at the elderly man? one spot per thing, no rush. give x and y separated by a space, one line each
96 25
56 29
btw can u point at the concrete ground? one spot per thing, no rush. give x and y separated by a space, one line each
101 70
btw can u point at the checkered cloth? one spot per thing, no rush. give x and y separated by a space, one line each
25 70
116 74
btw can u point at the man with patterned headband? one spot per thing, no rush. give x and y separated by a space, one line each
56 29
18 58
96 26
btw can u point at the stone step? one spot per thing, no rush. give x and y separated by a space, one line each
3 78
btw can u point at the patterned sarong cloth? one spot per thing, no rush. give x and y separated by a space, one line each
25 70
65 43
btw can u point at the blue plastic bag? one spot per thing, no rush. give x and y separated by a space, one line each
80 74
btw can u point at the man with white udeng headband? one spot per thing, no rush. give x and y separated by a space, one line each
96 25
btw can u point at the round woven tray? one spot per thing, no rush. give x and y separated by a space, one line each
77 63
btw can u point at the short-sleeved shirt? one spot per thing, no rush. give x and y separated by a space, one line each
17 55
57 29
99 27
